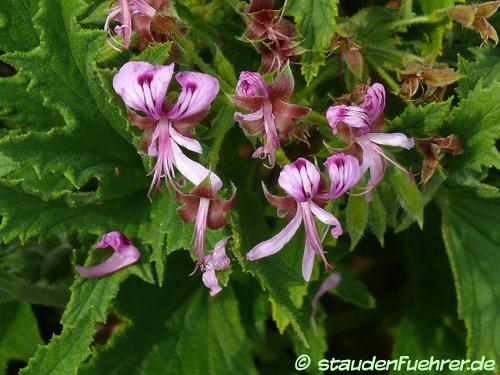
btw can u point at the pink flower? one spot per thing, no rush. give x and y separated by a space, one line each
302 180
360 125
217 260
271 115
125 254
132 15
204 208
143 88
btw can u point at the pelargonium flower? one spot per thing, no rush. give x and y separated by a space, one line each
301 180
360 125
133 15
204 208
217 260
143 87
276 35
271 115
125 254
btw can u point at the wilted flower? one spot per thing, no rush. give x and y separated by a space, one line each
133 15
330 282
435 76
125 254
204 208
350 51
475 17
143 87
301 180
360 125
217 260
434 149
272 116
276 35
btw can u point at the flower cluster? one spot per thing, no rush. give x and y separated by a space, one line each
168 128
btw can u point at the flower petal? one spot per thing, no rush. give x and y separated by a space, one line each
327 218
286 206
391 139
211 282
220 260
374 103
353 116
251 84
186 142
283 84
307 261
300 179
292 111
197 93
276 243
125 253
192 170
344 172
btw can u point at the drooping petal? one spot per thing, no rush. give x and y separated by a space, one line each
374 103
307 261
353 116
216 214
125 254
198 90
391 139
193 171
276 243
210 280
330 282
252 103
187 142
372 161
251 84
327 218
220 260
344 172
252 123
300 179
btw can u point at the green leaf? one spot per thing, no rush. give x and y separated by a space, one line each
156 54
62 72
476 120
470 231
65 352
180 328
378 217
428 332
34 217
422 121
434 45
316 22
485 68
19 334
352 290
357 217
409 195
7 165
17 31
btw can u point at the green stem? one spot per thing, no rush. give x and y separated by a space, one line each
19 289
405 9
384 75
188 47
431 18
